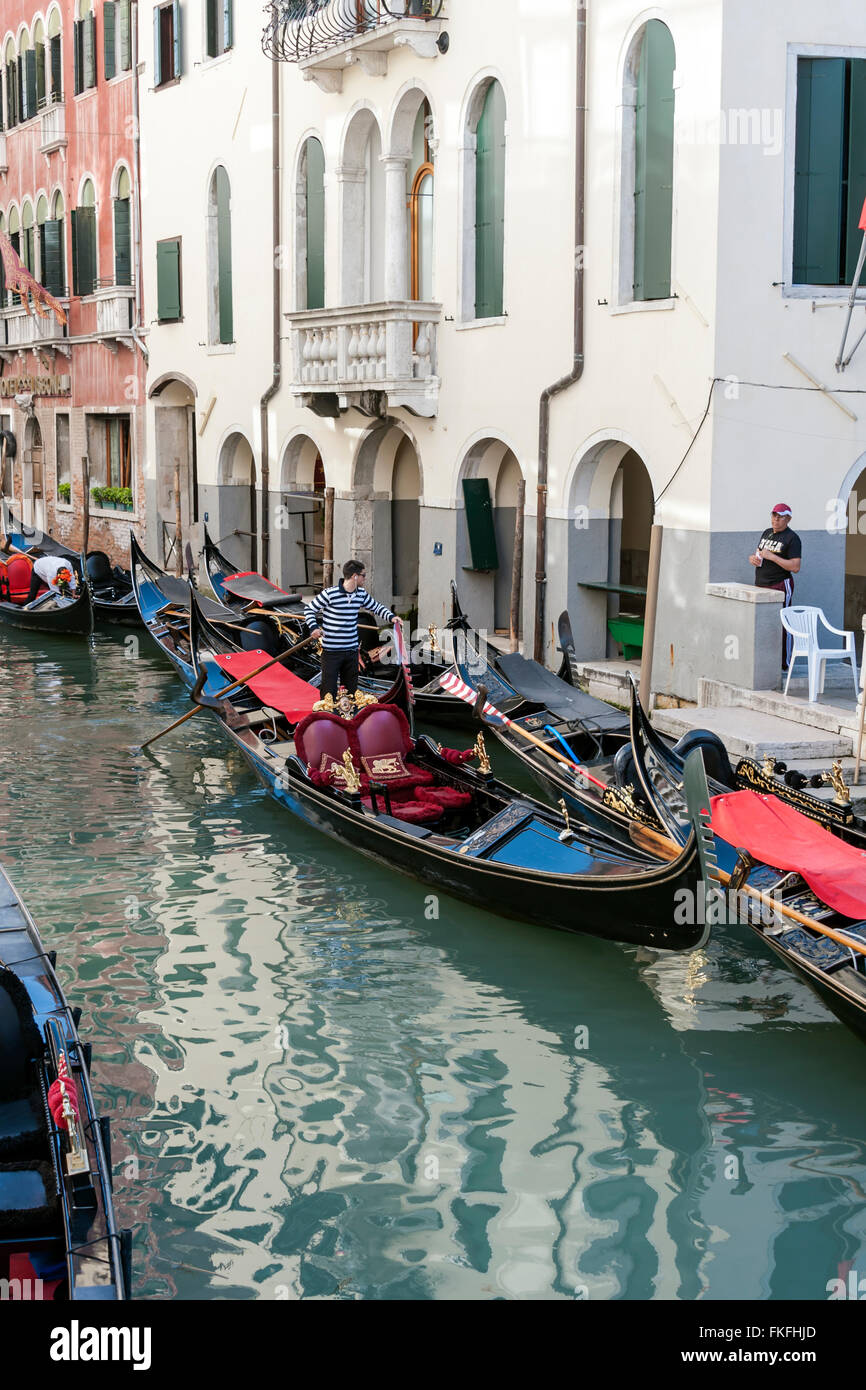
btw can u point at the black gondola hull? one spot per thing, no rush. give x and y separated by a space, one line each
72 620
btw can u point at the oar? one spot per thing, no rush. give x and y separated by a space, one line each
225 690
455 686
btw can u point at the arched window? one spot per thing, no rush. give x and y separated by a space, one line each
84 263
374 231
123 230
84 47
39 49
55 58
2 267
28 242
421 208
362 213
15 238
41 219
221 312
12 94
653 63
310 223
26 78
53 250
490 204
117 37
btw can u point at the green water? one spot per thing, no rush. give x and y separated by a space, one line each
321 1089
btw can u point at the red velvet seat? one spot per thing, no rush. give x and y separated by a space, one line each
322 739
385 747
449 798
19 569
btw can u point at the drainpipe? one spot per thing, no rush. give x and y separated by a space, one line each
277 316
136 202
578 360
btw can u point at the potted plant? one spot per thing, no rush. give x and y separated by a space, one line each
99 495
124 498
64 492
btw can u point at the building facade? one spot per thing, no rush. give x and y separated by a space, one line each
583 266
72 395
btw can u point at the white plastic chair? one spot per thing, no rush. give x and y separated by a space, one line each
802 623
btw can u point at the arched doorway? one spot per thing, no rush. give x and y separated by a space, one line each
33 493
405 528
176 467
387 485
236 500
488 496
631 524
300 517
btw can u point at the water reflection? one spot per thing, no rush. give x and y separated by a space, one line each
320 1091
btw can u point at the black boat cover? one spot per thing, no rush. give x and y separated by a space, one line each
176 591
256 589
39 540
542 687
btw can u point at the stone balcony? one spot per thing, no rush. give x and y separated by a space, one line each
324 37
53 128
373 357
4 157
20 329
114 309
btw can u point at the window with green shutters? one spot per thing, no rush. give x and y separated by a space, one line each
654 163
122 241
219 23
830 169
314 182
84 53
56 69
222 192
167 43
490 205
168 281
117 41
83 250
12 94
54 258
41 91
109 38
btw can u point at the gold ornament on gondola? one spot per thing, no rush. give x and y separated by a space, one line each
345 704
481 754
768 767
434 640
352 781
325 705
362 699
566 835
836 779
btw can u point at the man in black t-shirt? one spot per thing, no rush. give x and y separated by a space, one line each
776 560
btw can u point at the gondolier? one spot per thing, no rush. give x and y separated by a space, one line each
54 571
333 616
776 560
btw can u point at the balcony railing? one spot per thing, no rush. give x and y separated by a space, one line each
53 135
324 36
359 353
4 158
22 329
114 305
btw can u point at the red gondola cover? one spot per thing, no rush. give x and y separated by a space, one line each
276 687
776 834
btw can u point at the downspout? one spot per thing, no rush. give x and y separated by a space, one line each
578 360
136 202
276 379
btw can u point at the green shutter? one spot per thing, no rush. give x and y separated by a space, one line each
53 269
77 58
30 80
157 50
122 242
27 248
40 76
490 205
20 88
479 523
856 166
11 103
56 68
654 164
89 52
178 45
83 250
211 21
224 246
168 281
228 23
108 28
818 170
315 225
125 36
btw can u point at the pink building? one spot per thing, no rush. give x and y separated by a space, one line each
73 396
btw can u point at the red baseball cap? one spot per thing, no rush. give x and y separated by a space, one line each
781 509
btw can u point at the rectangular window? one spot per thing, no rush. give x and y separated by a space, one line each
167 43
63 469
219 27
122 241
108 450
41 92
83 250
168 281
53 258
830 169
56 69
84 53
12 94
116 37
27 249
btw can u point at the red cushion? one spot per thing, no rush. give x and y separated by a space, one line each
416 812
323 733
18 570
449 798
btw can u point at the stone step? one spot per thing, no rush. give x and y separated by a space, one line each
608 680
826 714
750 733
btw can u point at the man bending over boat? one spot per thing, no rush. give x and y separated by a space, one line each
52 570
333 616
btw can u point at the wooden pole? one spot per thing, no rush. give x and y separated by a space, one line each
328 538
649 628
85 476
862 705
224 690
178 529
517 566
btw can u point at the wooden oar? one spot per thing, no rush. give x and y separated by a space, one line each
456 686
225 690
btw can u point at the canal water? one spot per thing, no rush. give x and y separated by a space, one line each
325 1083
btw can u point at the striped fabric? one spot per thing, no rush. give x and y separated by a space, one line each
336 612
455 686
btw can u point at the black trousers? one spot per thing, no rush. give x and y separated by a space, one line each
35 585
339 668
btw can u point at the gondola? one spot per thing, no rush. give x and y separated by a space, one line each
418 808
58 1234
111 587
53 615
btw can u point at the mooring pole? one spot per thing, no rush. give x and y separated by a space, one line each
328 539
649 627
517 566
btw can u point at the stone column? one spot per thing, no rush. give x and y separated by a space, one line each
396 228
351 199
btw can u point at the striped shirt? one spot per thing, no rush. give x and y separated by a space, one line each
336 612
